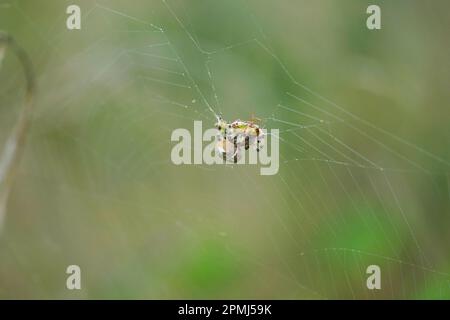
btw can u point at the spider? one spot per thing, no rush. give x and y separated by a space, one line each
236 135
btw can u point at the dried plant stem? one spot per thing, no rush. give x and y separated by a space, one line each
14 146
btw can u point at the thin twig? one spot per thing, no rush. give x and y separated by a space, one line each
14 146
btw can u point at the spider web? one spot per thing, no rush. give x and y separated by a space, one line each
350 193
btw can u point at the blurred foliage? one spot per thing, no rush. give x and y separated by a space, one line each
96 187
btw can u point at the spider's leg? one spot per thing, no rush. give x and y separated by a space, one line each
235 150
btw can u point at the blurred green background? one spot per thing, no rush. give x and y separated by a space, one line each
96 186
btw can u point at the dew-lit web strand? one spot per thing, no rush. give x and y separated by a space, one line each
291 212
376 166
213 87
283 224
353 127
291 273
331 275
156 28
158 68
365 134
343 259
351 200
329 159
361 132
124 87
301 113
374 216
300 204
396 229
125 165
300 126
314 203
317 95
337 204
196 44
401 210
363 121
257 262
336 139
160 98
325 207
170 83
171 46
184 66
148 54
340 120
309 196
269 205
386 212
362 279
358 164
361 253
168 101
254 260
404 217
197 88
151 55
367 123
321 152
343 163
257 41
280 219
344 189
70 60
118 122
416 242
207 53
269 51
387 258
276 213
95 77
101 73
289 268
311 199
